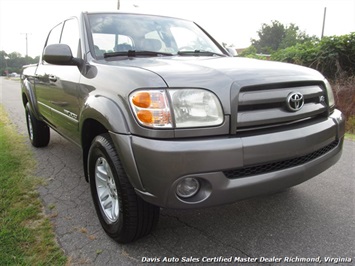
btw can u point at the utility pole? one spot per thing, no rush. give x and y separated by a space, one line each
325 13
26 34
6 71
119 4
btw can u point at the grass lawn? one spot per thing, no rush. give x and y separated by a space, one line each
349 136
26 234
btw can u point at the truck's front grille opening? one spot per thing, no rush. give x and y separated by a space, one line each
260 107
280 165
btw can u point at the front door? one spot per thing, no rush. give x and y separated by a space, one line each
57 86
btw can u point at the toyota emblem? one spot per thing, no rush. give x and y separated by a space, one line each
295 101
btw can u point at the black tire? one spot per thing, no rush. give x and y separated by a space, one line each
133 218
38 131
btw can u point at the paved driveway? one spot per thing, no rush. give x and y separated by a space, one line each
314 219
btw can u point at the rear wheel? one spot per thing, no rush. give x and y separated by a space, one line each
123 215
38 131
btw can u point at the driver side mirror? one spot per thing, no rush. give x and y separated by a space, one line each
60 54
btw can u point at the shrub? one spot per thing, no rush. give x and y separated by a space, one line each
344 93
333 56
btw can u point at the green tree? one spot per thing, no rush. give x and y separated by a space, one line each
290 37
270 37
13 62
278 36
3 62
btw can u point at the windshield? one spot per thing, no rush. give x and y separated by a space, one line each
113 34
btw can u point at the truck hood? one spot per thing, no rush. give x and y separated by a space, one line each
213 72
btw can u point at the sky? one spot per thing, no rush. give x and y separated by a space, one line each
234 22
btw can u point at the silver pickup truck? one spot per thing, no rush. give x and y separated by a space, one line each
165 117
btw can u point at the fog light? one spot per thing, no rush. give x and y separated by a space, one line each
187 187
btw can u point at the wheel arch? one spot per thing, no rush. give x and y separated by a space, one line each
100 115
91 128
28 96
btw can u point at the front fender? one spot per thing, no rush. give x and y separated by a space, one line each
107 112
108 116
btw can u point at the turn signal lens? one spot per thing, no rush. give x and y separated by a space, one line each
145 116
151 108
142 99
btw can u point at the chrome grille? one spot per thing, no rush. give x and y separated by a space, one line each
258 107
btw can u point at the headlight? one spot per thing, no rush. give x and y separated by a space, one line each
330 95
195 108
189 108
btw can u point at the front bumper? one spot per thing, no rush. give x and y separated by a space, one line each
156 166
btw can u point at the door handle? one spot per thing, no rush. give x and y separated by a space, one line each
52 78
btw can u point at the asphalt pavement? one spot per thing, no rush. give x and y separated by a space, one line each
310 224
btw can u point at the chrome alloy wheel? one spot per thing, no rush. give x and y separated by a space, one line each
106 190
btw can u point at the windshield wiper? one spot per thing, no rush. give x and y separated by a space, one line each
134 53
199 53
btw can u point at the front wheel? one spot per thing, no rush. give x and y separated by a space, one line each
124 216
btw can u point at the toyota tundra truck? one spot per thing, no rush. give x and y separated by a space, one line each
165 117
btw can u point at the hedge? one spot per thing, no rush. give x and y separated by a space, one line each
333 56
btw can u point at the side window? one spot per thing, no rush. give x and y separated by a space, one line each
70 36
54 35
